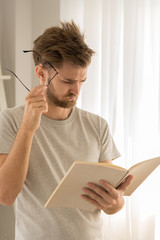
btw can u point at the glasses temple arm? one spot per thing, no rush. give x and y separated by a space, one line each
17 78
26 51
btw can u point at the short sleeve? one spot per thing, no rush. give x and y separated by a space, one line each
108 149
8 131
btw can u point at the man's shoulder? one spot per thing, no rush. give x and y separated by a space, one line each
86 113
90 116
16 112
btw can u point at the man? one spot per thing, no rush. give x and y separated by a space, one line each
40 141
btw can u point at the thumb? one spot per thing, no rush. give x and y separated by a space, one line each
123 186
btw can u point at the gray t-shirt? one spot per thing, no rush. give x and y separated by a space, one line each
56 145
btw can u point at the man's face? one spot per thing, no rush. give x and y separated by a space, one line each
64 89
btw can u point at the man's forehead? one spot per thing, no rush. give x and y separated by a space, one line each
68 65
72 72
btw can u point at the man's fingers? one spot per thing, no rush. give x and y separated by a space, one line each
38 90
111 190
38 98
126 183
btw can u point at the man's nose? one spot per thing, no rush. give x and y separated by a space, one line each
75 88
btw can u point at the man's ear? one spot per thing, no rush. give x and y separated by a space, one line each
41 74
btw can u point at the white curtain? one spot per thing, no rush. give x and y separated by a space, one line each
123 87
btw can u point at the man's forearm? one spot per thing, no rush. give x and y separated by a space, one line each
14 170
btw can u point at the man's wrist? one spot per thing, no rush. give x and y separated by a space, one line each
25 130
111 211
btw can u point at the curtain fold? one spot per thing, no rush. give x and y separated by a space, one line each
123 87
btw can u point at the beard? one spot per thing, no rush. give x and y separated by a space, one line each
64 103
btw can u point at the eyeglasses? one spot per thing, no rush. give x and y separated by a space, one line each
26 51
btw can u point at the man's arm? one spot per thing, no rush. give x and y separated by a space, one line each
2 159
14 166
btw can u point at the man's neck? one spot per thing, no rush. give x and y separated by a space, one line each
58 113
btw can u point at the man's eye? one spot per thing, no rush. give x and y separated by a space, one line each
67 82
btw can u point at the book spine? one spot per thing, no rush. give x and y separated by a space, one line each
122 180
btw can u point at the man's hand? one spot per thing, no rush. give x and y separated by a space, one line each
106 198
36 104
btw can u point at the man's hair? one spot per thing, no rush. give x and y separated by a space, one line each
64 43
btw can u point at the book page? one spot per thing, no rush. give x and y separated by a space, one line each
140 172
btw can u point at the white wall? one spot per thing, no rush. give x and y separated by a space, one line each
7 41
21 21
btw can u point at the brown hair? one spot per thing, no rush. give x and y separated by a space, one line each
62 43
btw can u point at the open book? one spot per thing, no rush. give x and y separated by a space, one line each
68 192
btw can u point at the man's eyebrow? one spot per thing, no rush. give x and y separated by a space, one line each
73 80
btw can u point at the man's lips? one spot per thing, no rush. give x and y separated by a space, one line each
71 97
